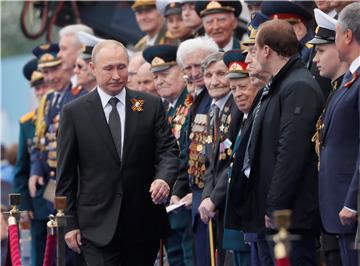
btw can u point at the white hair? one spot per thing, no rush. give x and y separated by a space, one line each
205 44
73 29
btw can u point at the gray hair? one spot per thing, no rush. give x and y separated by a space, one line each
106 43
349 18
73 29
212 58
205 44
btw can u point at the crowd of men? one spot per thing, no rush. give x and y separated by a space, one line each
224 122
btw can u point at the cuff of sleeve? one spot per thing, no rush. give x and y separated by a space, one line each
351 210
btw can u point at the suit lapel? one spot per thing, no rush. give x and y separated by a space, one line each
131 121
97 116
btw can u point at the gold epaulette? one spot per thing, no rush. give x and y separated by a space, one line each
27 117
308 45
76 90
40 125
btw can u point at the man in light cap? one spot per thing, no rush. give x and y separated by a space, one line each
329 65
150 22
170 86
219 19
339 141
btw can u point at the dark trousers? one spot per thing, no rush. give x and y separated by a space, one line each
38 241
349 256
120 252
202 244
302 253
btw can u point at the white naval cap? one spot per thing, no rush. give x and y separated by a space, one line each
88 41
325 31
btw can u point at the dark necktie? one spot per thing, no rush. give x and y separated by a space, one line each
115 124
214 122
246 163
56 99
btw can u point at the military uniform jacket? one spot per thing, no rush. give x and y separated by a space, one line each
282 157
43 155
22 170
339 157
217 172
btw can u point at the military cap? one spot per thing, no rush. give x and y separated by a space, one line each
286 10
88 41
143 4
204 8
169 7
47 55
160 57
253 26
325 30
235 62
31 74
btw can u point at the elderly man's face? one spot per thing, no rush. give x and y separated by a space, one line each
220 27
192 67
40 90
56 77
146 80
216 81
243 93
148 19
169 83
69 51
110 69
83 73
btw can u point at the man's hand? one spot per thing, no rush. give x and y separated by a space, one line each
347 217
33 181
188 200
73 240
207 210
174 200
159 190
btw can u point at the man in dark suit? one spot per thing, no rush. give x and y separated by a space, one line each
279 160
339 149
117 162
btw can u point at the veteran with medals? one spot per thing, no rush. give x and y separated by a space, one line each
170 86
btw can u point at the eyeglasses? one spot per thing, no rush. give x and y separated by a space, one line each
78 66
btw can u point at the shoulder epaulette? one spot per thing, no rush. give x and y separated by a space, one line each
27 117
141 43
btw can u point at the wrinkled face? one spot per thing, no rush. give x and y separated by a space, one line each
145 80
176 26
327 60
192 67
340 41
40 90
216 82
110 69
133 68
169 83
69 51
220 27
243 93
260 55
83 73
253 66
189 15
56 77
149 20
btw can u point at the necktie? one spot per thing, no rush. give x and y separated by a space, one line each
56 99
115 124
246 164
347 77
214 122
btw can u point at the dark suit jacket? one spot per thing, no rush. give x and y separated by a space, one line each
339 157
104 194
216 176
282 157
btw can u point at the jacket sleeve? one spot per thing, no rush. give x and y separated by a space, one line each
67 170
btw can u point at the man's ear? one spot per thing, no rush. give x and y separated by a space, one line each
267 51
348 36
92 68
234 23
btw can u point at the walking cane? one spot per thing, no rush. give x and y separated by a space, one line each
211 240
161 253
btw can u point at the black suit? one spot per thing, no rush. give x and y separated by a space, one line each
108 197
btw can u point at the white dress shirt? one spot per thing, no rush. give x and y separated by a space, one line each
104 97
355 65
221 102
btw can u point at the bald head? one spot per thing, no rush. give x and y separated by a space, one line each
107 44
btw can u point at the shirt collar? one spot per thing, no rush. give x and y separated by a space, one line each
229 45
355 65
221 102
151 41
104 97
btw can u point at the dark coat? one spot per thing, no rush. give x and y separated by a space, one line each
103 192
